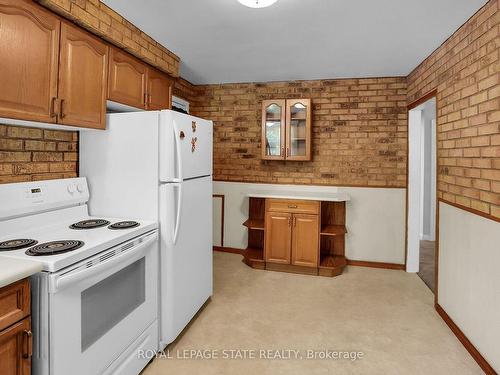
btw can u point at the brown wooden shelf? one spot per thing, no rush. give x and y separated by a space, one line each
254 224
333 230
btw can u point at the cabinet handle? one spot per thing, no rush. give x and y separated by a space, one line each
287 152
27 338
292 206
294 221
282 150
53 107
61 109
289 221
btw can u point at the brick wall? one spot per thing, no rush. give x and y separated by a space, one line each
359 131
109 25
28 154
465 71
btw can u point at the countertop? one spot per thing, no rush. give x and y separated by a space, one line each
12 270
312 196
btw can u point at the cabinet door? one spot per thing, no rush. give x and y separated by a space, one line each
159 90
127 79
305 240
16 349
29 46
278 237
298 129
83 76
273 130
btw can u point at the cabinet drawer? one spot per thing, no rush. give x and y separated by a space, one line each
298 206
14 303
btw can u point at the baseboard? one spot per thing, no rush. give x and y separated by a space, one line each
485 366
362 263
230 250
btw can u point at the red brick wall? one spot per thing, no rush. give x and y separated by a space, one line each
465 72
359 131
28 154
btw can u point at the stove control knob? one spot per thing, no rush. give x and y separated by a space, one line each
71 188
80 188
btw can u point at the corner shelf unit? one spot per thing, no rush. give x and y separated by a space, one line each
331 239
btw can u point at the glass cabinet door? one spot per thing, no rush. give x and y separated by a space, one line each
298 130
273 129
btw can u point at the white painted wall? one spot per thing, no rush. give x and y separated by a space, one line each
428 196
375 218
469 277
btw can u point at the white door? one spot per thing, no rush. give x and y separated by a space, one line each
98 308
185 253
185 147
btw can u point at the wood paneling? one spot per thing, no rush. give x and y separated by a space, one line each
305 240
16 349
29 47
127 82
159 90
278 237
82 78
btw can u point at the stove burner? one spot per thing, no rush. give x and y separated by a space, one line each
16 244
54 247
89 224
124 225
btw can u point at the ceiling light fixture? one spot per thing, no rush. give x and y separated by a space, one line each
257 3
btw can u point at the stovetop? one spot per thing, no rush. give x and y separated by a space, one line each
50 229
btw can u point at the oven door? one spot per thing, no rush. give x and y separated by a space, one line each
102 305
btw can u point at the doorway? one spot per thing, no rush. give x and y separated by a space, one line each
421 247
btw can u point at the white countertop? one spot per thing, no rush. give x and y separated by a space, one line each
12 270
312 196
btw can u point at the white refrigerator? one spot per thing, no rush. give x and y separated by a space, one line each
158 165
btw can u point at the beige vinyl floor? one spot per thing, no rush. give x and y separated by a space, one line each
387 315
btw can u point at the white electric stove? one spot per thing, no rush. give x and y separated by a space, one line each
95 304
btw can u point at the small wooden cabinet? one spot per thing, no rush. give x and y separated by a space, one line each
286 129
303 236
83 77
16 340
134 83
127 83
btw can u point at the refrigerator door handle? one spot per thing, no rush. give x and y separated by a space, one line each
177 138
178 213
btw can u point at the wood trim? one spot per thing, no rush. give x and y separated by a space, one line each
222 217
230 250
471 210
423 99
481 361
363 263
308 184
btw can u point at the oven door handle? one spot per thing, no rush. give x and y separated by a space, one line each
130 255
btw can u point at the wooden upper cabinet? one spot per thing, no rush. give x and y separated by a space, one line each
278 237
29 46
286 129
127 82
82 78
298 129
305 240
159 90
273 130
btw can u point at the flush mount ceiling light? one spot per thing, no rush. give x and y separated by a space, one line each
257 3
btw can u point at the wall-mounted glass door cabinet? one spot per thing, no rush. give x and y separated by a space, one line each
286 129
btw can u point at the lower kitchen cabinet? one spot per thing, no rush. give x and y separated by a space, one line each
300 236
16 349
16 340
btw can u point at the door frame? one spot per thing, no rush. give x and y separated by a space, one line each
429 95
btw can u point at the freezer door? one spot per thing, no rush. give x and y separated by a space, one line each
185 146
186 253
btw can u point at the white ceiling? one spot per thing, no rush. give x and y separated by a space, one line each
223 41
